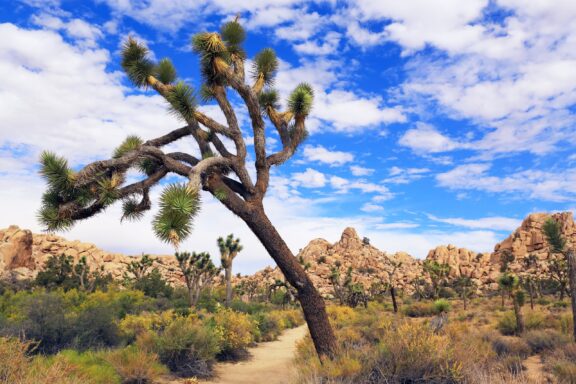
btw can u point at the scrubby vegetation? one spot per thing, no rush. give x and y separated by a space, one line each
132 332
479 344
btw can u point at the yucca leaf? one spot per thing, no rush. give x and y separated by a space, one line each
54 169
131 210
265 64
148 166
135 62
206 43
182 101
268 98
206 93
178 198
131 143
301 99
50 219
165 71
233 33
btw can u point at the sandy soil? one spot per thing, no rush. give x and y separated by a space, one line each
270 362
535 370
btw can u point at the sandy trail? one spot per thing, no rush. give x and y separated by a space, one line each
270 362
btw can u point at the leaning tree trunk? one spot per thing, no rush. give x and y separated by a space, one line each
312 303
393 296
228 276
519 319
571 256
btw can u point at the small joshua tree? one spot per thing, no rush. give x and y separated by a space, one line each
438 273
394 266
558 245
464 286
529 278
511 285
229 248
220 170
198 271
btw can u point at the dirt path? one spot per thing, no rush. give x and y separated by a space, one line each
535 370
270 362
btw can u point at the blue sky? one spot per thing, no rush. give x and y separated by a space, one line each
435 121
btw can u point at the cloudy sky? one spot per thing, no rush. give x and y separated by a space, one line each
435 121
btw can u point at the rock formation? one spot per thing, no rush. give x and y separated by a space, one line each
23 254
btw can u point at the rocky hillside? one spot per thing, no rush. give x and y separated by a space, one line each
370 264
22 254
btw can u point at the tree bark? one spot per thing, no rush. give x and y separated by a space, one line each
465 299
312 303
228 276
393 295
571 256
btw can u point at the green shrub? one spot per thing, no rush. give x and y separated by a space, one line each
542 340
154 285
507 323
236 331
442 306
419 309
511 346
187 347
512 364
135 366
534 320
90 364
543 301
447 293
95 327
269 326
45 322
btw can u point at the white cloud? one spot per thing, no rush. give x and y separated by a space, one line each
320 154
361 171
334 108
495 223
329 45
534 184
310 178
426 139
399 175
86 35
371 208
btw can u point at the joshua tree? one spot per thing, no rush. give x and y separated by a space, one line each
506 257
558 245
138 269
511 285
394 265
464 286
529 276
198 271
219 170
437 273
229 248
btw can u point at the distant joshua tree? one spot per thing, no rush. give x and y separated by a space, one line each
198 271
558 245
229 248
221 171
511 285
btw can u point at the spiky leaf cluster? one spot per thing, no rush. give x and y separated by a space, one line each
60 179
508 281
131 143
553 232
136 63
165 71
182 101
206 93
214 56
132 210
196 264
265 66
301 100
178 206
269 98
229 248
234 35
